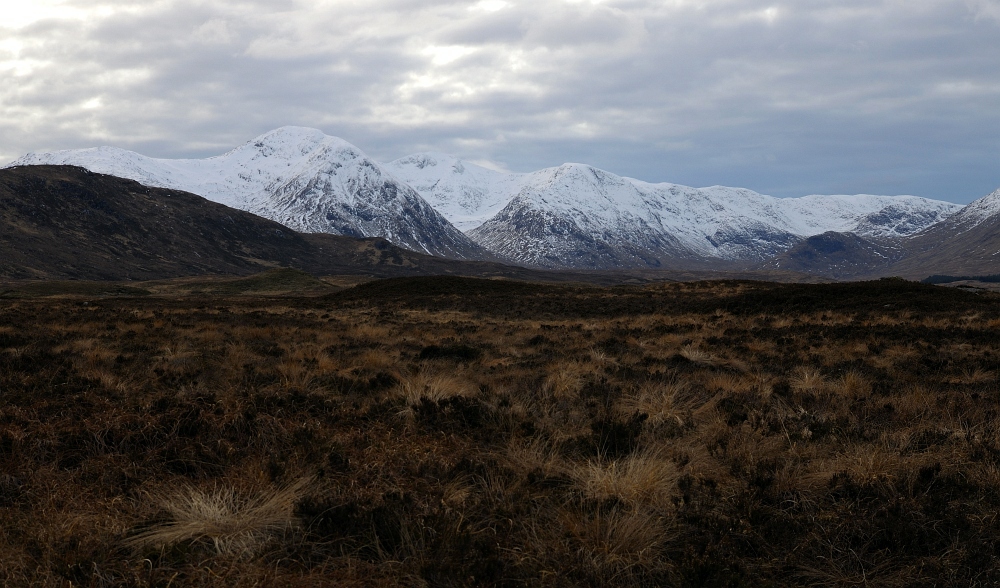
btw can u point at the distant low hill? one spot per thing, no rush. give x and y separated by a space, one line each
841 256
965 244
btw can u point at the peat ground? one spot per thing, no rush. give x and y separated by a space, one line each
454 431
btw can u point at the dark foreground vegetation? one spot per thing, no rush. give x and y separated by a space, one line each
938 279
452 432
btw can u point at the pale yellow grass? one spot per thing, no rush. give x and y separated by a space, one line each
565 380
807 379
852 385
660 402
535 455
617 539
728 383
648 477
974 376
434 387
698 356
233 523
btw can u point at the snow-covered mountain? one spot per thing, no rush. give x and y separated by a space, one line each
573 216
299 177
578 216
965 244
465 193
985 209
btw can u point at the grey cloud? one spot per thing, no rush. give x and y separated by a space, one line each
818 97
570 25
503 26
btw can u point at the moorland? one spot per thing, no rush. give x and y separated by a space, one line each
446 431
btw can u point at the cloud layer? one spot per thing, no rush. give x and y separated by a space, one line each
787 98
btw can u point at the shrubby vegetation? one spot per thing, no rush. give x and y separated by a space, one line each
447 431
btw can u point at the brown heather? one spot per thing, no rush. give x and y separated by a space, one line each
454 432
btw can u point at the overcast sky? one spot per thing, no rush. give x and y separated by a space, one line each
784 97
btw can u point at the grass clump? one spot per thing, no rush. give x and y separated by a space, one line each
231 522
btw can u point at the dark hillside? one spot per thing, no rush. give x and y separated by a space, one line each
840 256
66 222
886 294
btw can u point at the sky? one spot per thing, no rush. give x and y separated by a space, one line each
784 97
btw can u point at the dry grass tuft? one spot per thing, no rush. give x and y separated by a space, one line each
660 402
565 380
295 374
869 466
535 455
727 383
234 524
434 388
808 380
975 376
695 355
649 477
616 540
853 385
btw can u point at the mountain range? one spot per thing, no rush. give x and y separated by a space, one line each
573 216
68 223
576 215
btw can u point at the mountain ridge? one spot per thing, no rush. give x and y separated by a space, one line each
572 216
967 243
596 212
68 223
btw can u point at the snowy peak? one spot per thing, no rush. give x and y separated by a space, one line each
431 159
287 143
979 210
571 179
292 144
465 193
